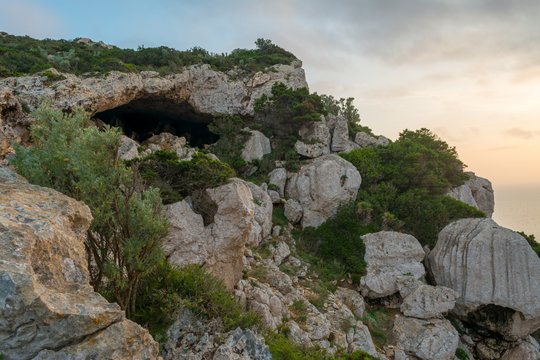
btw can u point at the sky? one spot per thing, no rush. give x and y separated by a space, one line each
469 70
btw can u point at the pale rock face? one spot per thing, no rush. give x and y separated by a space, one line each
310 150
463 193
281 253
364 140
488 265
293 211
482 192
529 349
359 338
390 257
46 301
220 245
256 146
315 141
383 141
340 134
128 149
278 177
298 335
170 142
266 302
428 301
353 300
274 196
426 339
322 186
263 214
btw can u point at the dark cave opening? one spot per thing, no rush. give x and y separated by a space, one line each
142 118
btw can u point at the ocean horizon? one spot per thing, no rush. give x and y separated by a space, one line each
517 207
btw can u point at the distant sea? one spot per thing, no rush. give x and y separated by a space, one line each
518 208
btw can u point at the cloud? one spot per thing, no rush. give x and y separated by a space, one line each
24 17
521 133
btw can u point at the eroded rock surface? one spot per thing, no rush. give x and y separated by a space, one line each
428 301
492 269
390 256
322 186
46 301
256 146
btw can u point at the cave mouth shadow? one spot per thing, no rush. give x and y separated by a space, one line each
142 118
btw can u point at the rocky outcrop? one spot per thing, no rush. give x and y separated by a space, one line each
205 90
13 122
390 256
315 141
190 337
529 349
426 302
476 192
322 186
220 245
256 146
293 211
340 134
494 271
278 177
46 301
482 191
262 226
128 149
426 339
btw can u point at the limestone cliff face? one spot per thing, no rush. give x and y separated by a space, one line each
47 306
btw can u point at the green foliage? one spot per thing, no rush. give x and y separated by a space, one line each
124 239
403 183
231 140
165 289
177 179
51 77
462 354
379 323
21 55
278 217
344 107
532 241
287 109
338 240
283 348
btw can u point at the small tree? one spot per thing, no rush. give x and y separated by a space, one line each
124 239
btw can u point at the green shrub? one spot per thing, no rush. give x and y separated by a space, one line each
344 107
462 354
532 241
124 239
165 289
231 140
338 240
21 55
283 348
278 217
379 323
177 179
51 77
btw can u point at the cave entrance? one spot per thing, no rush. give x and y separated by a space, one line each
142 118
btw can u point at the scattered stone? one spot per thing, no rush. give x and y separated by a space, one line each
494 271
274 196
322 186
293 211
282 252
353 300
427 302
278 177
256 146
426 339
390 256
128 149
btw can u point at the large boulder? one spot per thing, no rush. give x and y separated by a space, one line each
256 146
390 257
495 272
262 226
433 339
482 191
463 193
46 301
220 245
340 134
322 186
278 177
315 141
529 349
426 302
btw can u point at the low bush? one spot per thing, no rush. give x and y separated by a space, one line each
231 140
532 241
165 289
462 354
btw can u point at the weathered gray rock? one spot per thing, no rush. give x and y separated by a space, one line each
243 345
529 349
293 211
390 256
315 139
197 86
278 177
13 122
274 196
220 245
340 134
128 148
463 193
353 300
46 301
427 302
169 142
426 339
264 301
359 338
364 140
482 191
256 146
297 335
494 271
281 253
311 150
322 186
262 226
382 141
